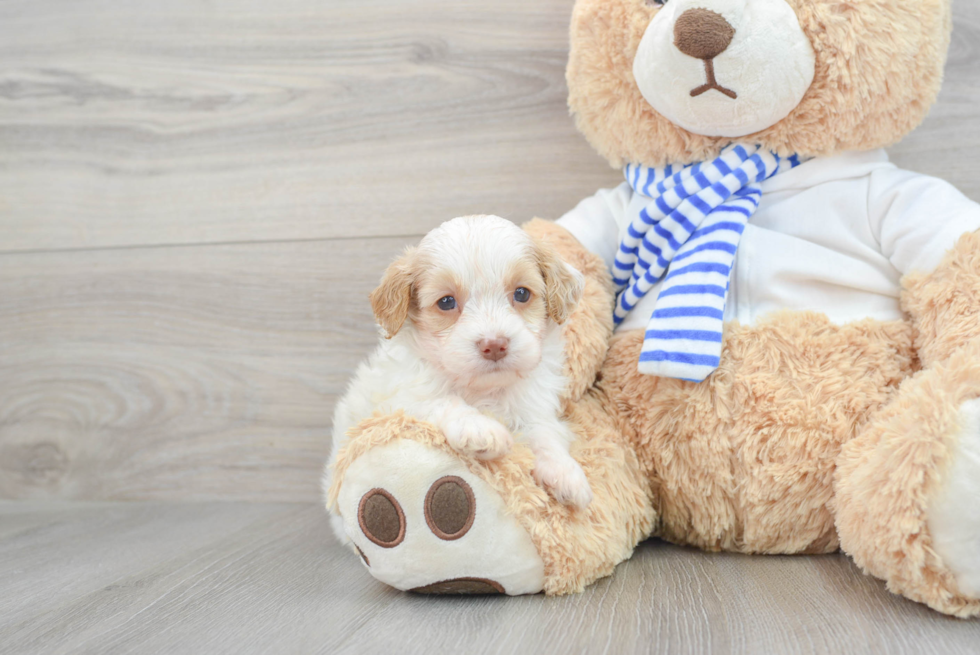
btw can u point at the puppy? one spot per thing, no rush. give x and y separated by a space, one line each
473 346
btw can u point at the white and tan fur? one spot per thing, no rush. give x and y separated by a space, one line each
432 365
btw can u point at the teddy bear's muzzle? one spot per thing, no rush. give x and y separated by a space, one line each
757 49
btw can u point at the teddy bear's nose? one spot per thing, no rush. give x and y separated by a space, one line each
702 33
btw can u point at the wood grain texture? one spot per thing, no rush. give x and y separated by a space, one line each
241 120
256 578
237 120
184 373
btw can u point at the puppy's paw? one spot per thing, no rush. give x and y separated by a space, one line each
564 479
478 435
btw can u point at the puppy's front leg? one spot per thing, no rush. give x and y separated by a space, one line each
469 431
554 468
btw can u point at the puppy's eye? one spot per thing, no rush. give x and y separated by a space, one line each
522 295
655 3
446 303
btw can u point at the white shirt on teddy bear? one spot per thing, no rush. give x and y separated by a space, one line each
834 235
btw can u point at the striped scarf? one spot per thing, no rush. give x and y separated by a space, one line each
689 231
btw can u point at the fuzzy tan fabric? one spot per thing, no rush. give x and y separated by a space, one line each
944 305
879 66
745 460
886 477
577 547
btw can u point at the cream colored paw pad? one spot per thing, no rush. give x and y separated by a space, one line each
422 522
954 513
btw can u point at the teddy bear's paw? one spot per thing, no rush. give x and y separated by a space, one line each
422 522
954 513
564 479
474 434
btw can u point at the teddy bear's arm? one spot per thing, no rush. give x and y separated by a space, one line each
917 219
904 485
944 304
925 227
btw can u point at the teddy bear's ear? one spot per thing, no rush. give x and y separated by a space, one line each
393 297
563 284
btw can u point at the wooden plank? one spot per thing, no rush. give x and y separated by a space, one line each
55 552
278 583
186 373
238 120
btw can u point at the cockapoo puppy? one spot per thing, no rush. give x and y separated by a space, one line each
471 318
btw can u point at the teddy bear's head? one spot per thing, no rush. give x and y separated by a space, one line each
673 81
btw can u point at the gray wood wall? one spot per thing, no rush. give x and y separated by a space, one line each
195 199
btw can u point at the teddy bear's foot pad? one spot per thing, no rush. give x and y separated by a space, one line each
422 522
461 587
954 514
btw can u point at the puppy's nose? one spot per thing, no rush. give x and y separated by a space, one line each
702 33
493 349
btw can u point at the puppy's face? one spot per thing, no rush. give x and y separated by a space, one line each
480 295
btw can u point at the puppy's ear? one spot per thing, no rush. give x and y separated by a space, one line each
393 297
563 284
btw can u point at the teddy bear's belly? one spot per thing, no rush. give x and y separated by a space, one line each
745 460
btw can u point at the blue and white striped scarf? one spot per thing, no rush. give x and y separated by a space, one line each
689 231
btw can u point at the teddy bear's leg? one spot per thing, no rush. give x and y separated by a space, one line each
908 487
425 518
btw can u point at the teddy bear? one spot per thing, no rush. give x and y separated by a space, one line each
778 345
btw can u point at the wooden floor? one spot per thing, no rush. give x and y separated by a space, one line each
266 578
195 199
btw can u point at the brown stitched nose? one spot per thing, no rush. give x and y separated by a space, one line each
702 34
493 349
